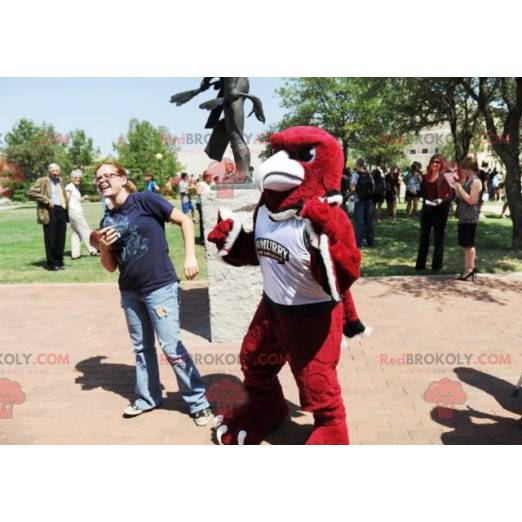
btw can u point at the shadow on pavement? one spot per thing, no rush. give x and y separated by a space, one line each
195 311
223 391
497 429
441 288
226 392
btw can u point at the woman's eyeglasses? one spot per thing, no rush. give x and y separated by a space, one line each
105 177
436 162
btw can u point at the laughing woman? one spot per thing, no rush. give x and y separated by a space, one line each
132 239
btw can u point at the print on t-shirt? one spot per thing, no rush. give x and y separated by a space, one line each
132 244
273 249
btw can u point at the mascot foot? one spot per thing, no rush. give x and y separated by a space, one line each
329 434
244 426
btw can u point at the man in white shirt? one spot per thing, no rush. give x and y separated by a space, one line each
186 203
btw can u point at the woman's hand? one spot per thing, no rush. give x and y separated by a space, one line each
109 236
187 231
191 267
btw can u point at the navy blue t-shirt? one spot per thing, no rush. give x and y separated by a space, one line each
142 252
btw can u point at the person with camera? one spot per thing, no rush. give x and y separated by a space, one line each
468 188
132 240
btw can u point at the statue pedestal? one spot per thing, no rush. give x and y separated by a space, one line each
234 292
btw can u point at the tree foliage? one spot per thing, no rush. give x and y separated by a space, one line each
32 147
148 149
500 103
80 149
372 118
425 102
355 110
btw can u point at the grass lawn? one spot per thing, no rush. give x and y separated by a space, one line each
22 250
396 244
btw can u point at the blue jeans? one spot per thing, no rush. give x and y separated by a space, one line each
363 211
157 312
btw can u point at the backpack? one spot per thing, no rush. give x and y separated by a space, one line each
365 186
378 181
345 185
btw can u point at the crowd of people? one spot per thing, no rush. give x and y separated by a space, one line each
59 203
365 190
438 189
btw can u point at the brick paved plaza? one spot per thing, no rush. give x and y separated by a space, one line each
68 349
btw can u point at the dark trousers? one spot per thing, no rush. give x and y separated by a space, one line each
363 211
436 218
54 236
199 208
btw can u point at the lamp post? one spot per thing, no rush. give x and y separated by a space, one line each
159 157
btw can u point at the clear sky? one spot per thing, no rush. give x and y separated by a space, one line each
104 106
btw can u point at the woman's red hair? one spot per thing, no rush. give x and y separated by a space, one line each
444 165
120 171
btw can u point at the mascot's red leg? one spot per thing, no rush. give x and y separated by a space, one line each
261 360
314 344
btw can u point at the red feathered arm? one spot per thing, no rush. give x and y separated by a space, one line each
333 222
234 244
243 252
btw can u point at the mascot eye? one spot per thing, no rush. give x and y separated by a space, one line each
305 155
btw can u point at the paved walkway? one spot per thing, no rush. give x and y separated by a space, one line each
439 367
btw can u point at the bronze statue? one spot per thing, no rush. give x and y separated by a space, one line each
230 101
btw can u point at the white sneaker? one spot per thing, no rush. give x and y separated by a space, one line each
132 410
202 417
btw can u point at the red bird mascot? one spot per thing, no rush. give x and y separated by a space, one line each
305 246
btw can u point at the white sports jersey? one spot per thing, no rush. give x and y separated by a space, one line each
285 261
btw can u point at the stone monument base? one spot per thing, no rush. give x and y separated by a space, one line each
234 292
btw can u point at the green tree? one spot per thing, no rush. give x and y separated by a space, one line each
81 154
424 102
500 103
80 149
355 110
148 149
32 148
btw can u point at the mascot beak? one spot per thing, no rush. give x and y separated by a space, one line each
279 173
